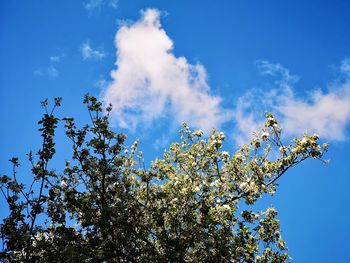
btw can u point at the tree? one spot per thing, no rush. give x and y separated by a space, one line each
105 206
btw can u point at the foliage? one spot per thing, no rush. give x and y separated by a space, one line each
186 207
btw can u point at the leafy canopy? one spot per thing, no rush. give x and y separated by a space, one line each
105 206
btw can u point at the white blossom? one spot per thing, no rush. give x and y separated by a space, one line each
243 186
283 149
265 136
225 155
304 141
64 184
198 133
226 207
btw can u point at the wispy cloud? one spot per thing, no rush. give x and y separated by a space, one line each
88 52
38 72
101 84
245 119
150 82
113 3
345 67
324 112
51 70
92 5
284 77
55 59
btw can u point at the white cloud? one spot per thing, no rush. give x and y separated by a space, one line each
150 82
89 53
325 113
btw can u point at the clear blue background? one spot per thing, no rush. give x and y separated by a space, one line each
307 37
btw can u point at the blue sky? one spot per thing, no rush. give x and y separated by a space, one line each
208 63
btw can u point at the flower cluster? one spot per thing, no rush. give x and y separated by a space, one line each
187 206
